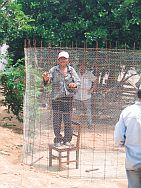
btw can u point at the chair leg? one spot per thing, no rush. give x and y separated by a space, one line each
60 160
50 156
77 159
68 157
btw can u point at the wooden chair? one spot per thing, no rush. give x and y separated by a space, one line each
63 152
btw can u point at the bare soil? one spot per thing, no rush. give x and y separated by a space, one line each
15 174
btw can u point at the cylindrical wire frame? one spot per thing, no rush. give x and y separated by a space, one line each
116 72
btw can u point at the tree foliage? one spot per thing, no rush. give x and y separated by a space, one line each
92 20
12 82
13 28
14 23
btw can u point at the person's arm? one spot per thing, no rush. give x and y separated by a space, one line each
119 132
47 76
76 79
93 79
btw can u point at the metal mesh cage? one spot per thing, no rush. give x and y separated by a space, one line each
116 73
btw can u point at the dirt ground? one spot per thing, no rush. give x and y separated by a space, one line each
15 174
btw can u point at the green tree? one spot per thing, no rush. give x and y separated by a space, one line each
12 82
59 21
13 28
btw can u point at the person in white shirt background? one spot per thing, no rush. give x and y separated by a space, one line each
82 97
128 133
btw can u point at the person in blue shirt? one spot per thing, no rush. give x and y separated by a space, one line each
65 81
128 133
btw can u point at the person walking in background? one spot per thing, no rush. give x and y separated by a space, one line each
83 94
65 81
128 133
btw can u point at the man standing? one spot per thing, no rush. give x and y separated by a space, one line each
128 133
83 94
65 82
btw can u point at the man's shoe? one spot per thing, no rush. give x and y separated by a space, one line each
57 144
68 144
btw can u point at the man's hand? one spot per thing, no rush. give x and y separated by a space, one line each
72 85
46 76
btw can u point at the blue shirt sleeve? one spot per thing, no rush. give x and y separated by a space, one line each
120 132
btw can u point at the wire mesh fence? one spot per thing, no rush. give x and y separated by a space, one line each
114 73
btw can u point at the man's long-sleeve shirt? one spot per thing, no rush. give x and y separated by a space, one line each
60 83
128 133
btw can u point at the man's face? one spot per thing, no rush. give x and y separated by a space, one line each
62 61
82 68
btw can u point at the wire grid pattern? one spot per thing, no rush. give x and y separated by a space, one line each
116 72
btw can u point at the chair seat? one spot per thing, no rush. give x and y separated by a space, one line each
63 148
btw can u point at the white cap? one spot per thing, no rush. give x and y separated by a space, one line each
63 54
